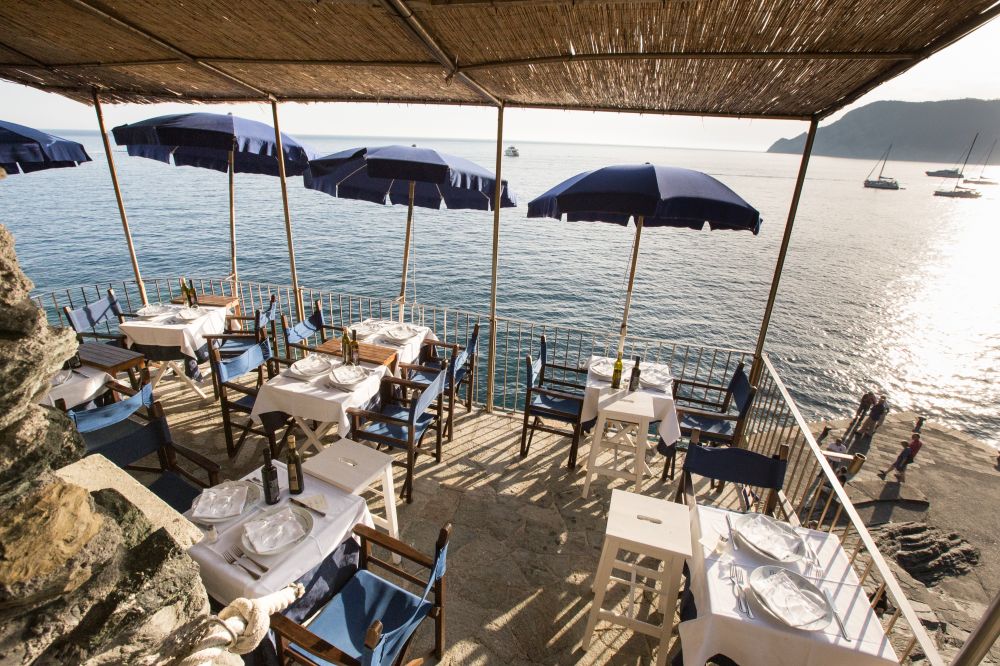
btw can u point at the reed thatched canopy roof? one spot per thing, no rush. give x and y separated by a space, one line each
751 58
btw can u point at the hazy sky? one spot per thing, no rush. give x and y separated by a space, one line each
970 68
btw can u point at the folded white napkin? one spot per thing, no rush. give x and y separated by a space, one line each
223 501
310 366
347 376
274 531
768 536
791 603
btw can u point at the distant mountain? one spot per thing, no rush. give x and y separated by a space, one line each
919 131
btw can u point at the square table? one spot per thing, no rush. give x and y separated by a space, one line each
632 413
407 351
314 400
112 359
367 353
83 385
226 582
212 300
663 399
186 336
721 628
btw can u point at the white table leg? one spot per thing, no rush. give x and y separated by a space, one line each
641 442
595 450
601 578
187 380
669 584
389 497
313 436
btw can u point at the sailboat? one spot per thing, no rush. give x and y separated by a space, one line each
981 180
959 192
882 182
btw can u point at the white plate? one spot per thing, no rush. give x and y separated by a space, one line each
61 377
775 601
771 539
313 365
348 376
364 330
152 310
400 332
190 314
254 496
603 368
304 517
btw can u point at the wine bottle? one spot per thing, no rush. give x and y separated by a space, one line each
192 294
616 376
345 346
269 478
633 380
296 483
355 349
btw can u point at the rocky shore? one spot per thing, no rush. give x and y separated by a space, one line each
940 526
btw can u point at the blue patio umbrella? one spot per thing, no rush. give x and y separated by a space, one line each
23 150
406 174
222 142
655 196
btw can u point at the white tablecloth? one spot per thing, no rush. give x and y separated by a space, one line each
663 400
408 352
84 384
226 582
314 400
721 628
189 336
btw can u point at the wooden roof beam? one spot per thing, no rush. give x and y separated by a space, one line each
162 43
400 10
692 55
233 61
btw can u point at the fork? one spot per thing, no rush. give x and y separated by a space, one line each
231 559
741 582
733 569
241 554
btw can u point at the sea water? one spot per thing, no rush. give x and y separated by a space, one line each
898 292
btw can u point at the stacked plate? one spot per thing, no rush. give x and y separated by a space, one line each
655 376
770 538
310 367
347 377
400 333
277 530
61 377
603 368
152 310
365 329
225 501
190 314
790 598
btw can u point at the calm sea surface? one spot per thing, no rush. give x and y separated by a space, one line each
896 291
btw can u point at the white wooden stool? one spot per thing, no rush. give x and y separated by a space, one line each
629 414
650 527
354 467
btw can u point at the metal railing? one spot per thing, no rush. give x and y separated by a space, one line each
811 488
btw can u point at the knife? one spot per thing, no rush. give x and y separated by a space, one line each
836 615
306 506
732 538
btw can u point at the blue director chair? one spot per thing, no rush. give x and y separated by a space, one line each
461 370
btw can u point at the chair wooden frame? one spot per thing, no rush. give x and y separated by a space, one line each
469 380
272 334
721 404
539 412
227 406
120 315
288 631
394 388
321 331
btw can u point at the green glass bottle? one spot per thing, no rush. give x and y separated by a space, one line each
293 463
616 376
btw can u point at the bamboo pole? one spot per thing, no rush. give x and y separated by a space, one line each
118 196
491 357
793 208
631 280
232 215
288 217
406 250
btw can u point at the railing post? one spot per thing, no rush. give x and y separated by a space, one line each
491 357
288 217
982 638
755 371
118 196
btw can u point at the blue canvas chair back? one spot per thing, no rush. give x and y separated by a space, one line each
726 463
246 362
89 316
305 329
268 315
90 420
394 638
428 396
458 363
534 371
741 390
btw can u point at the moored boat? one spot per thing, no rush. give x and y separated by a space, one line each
959 192
982 180
945 173
882 182
511 151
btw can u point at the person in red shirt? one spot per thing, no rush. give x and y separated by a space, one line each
905 457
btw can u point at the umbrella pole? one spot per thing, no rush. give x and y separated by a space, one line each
118 197
232 218
758 355
288 218
631 280
491 358
406 250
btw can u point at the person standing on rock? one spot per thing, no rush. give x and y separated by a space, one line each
875 417
868 401
905 457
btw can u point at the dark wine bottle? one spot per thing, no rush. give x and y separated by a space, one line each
355 349
616 376
345 346
269 478
192 294
296 483
633 380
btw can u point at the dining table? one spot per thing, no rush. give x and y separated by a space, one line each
753 635
226 582
380 332
77 386
658 385
168 337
